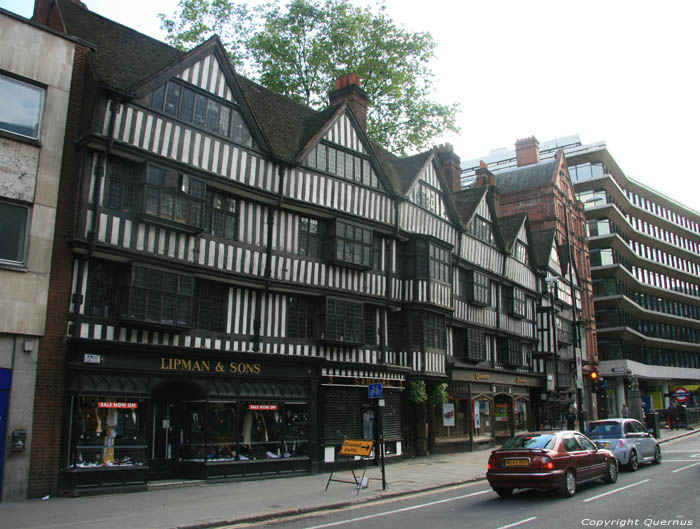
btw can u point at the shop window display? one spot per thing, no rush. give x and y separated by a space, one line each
502 417
221 431
520 413
107 431
481 418
451 420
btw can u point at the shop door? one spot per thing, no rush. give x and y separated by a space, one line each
5 376
167 433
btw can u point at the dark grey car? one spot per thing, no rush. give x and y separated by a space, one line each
628 439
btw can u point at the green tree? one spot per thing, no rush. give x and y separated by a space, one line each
299 50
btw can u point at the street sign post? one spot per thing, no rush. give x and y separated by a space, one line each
375 391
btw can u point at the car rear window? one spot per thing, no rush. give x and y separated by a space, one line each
530 441
604 429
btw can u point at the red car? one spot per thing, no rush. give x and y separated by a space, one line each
549 460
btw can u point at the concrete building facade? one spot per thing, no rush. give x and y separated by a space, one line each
36 65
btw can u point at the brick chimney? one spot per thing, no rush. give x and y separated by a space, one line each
527 151
44 13
348 90
449 163
485 178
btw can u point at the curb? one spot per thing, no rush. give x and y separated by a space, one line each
329 507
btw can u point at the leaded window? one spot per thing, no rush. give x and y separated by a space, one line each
476 287
434 331
123 177
201 110
221 214
516 300
353 244
300 318
476 345
311 241
159 296
481 229
521 252
344 321
210 306
173 196
344 164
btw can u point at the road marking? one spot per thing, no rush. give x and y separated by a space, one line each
405 509
685 467
614 491
518 523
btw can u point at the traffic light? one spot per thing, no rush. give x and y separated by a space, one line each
595 381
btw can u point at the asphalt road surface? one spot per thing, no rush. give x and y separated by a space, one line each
666 495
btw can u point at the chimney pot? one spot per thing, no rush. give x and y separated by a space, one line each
348 90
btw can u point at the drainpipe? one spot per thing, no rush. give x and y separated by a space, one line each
257 323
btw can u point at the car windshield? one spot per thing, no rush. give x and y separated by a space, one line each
530 441
604 429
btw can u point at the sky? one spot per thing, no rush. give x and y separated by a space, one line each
620 71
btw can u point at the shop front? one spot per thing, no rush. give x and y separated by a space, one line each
483 409
134 418
350 412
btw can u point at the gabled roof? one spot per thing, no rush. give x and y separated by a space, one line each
467 201
510 227
527 177
543 241
125 60
123 57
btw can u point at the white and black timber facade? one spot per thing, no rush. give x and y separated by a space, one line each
243 267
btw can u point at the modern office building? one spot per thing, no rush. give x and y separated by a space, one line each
35 83
645 263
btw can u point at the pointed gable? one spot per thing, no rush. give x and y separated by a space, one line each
343 150
427 191
208 75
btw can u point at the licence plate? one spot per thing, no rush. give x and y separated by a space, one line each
516 462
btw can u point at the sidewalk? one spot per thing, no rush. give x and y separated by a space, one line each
201 505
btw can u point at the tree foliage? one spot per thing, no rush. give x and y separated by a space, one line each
301 48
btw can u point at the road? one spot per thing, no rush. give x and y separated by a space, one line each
666 495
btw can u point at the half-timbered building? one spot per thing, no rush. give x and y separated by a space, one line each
243 267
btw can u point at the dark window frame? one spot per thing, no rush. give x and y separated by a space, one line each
206 111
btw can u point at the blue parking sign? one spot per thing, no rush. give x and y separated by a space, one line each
375 391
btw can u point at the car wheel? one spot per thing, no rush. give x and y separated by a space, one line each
568 484
657 455
633 463
504 492
611 472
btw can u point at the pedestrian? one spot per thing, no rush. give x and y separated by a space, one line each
625 410
673 416
571 419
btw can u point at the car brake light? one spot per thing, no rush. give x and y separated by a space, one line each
490 465
546 463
